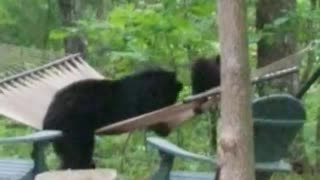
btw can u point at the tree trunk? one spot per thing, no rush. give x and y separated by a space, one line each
235 129
100 14
281 43
68 9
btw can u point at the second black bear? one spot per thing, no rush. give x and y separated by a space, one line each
205 74
82 107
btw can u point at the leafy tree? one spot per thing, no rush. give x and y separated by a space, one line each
166 33
28 23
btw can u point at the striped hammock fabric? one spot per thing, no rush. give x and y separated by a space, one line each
25 97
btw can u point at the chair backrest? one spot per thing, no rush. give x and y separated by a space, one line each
277 119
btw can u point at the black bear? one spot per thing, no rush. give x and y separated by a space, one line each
82 107
205 74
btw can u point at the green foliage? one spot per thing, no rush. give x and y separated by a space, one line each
27 23
168 34
311 145
129 35
9 129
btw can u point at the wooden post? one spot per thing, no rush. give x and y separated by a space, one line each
235 129
69 14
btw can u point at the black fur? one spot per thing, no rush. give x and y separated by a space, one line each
84 106
205 74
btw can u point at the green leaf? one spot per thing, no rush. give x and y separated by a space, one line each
58 34
279 21
203 9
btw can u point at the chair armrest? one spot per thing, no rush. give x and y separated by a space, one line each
40 136
278 166
171 149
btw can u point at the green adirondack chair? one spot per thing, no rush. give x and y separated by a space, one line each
277 119
27 169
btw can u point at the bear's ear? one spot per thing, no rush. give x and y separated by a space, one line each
217 59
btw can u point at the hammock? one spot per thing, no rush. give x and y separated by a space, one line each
25 97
